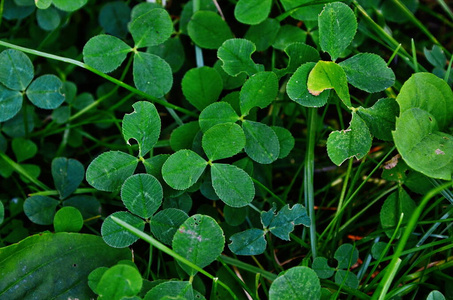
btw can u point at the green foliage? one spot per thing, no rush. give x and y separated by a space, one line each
354 141
296 283
212 120
142 125
208 30
45 258
68 219
426 107
200 240
337 28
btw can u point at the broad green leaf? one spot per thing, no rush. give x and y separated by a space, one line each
435 295
217 113
68 219
396 204
115 235
229 82
344 277
119 281
182 169
152 74
105 52
40 209
337 28
10 102
352 142
87 205
288 34
322 268
151 28
16 70
297 283
282 223
69 6
114 17
142 125
263 34
249 242
259 90
261 142
188 11
38 262
165 223
346 255
183 136
171 290
252 12
200 240
48 19
67 175
142 195
143 8
236 57
23 149
233 100
172 51
46 92
22 123
368 72
377 250
202 86
426 109
43 4
328 75
13 11
223 141
308 12
235 216
108 171
285 139
208 30
299 54
298 91
232 184
436 56
381 118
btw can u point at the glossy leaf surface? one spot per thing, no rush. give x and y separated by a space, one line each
39 260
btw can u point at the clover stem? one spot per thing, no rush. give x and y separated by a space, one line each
308 177
198 52
99 73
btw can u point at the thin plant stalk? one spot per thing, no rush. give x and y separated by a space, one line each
396 260
309 167
169 251
99 73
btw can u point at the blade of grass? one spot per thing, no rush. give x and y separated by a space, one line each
155 243
396 260
99 73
